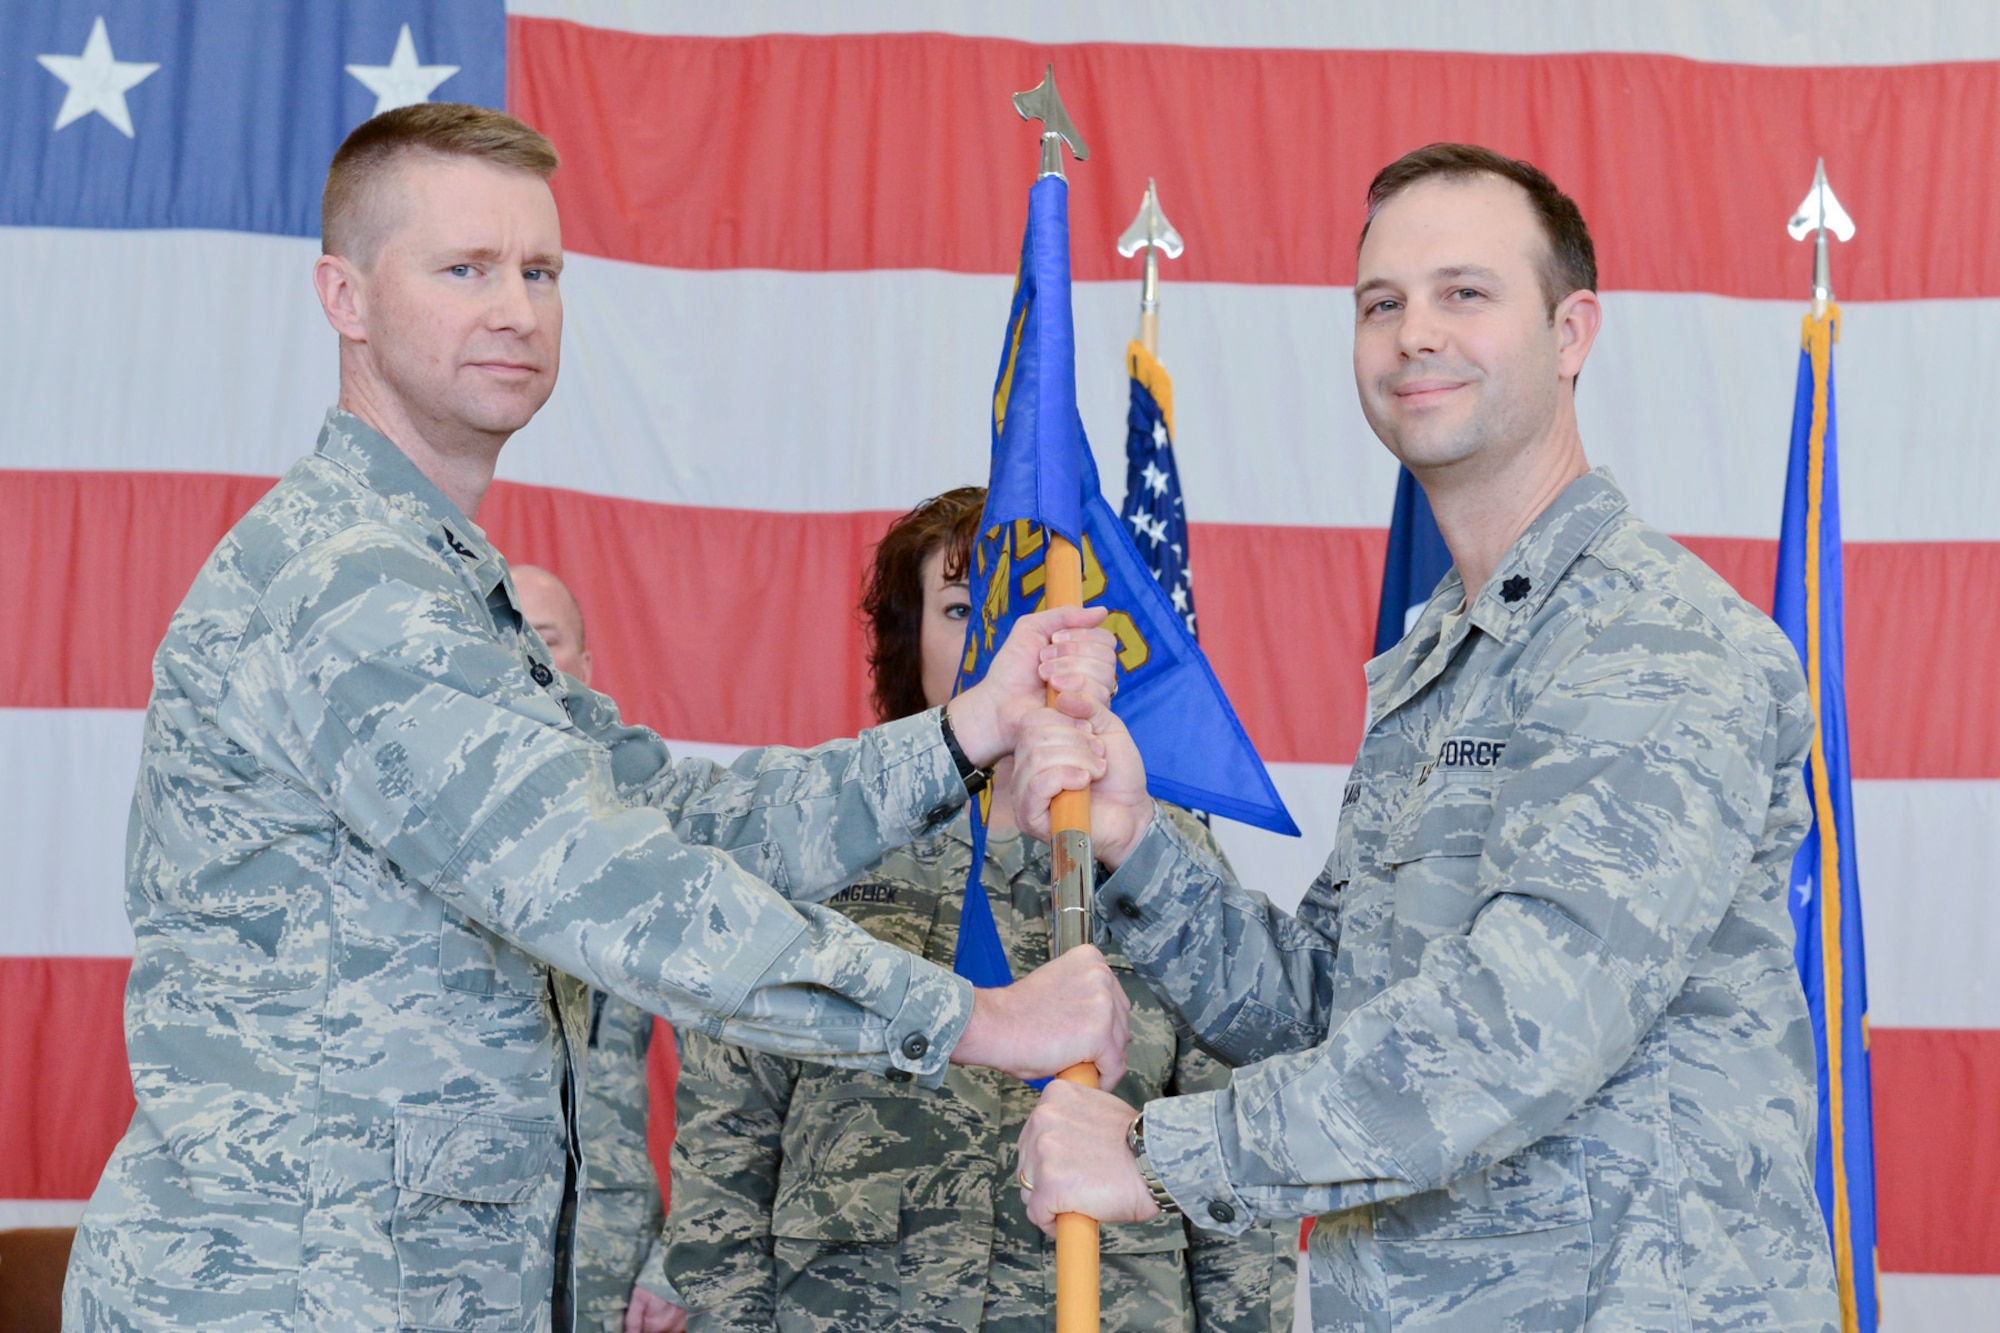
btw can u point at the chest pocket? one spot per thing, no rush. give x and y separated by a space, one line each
892 910
1448 816
1432 860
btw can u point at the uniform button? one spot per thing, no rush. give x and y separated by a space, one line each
900 1076
541 673
1221 1212
915 1045
1126 907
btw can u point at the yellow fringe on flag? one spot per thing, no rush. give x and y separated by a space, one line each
1144 367
1820 334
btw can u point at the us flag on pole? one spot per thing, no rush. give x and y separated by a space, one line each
1153 511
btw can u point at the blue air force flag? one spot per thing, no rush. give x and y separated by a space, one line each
1044 480
1825 897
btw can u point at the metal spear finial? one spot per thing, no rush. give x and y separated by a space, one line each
1151 232
1819 214
1044 103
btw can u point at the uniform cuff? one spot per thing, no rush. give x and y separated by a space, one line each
925 1031
1184 1142
1142 907
930 789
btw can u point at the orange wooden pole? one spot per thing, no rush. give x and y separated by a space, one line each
1077 1280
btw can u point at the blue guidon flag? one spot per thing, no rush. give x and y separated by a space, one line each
1043 480
1826 896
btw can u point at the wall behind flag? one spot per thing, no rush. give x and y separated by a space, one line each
793 231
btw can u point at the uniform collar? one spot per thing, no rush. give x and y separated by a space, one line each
350 443
1537 561
1530 571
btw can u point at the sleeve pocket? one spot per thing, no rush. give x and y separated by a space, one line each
466 1193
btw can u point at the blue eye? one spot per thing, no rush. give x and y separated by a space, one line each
461 270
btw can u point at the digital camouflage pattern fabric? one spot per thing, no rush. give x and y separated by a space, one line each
618 1215
807 1199
1534 1038
374 837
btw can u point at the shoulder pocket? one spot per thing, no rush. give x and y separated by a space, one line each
472 1189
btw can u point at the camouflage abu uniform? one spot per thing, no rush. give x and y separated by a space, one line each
1534 1038
618 1215
807 1199
370 820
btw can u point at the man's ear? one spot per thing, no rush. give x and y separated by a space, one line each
583 660
1576 322
341 296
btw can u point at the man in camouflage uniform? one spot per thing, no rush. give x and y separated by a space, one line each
1534 1040
375 833
618 1213
807 1200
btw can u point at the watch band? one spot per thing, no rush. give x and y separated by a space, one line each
974 777
1135 1139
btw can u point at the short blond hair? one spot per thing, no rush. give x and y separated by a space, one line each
352 216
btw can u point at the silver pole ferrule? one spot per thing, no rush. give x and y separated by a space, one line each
1052 164
1070 854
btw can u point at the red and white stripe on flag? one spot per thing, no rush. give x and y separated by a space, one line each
792 235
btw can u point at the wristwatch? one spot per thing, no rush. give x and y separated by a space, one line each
974 777
1135 1139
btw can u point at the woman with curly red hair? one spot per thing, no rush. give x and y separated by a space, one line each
805 1197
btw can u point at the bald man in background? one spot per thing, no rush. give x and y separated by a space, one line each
621 1283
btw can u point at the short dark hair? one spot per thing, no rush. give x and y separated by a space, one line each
350 214
893 603
1571 263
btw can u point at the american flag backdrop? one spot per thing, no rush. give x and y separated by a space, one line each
792 231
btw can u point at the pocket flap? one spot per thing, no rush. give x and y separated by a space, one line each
1158 1235
1449 818
865 1208
474 1156
1537 1189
